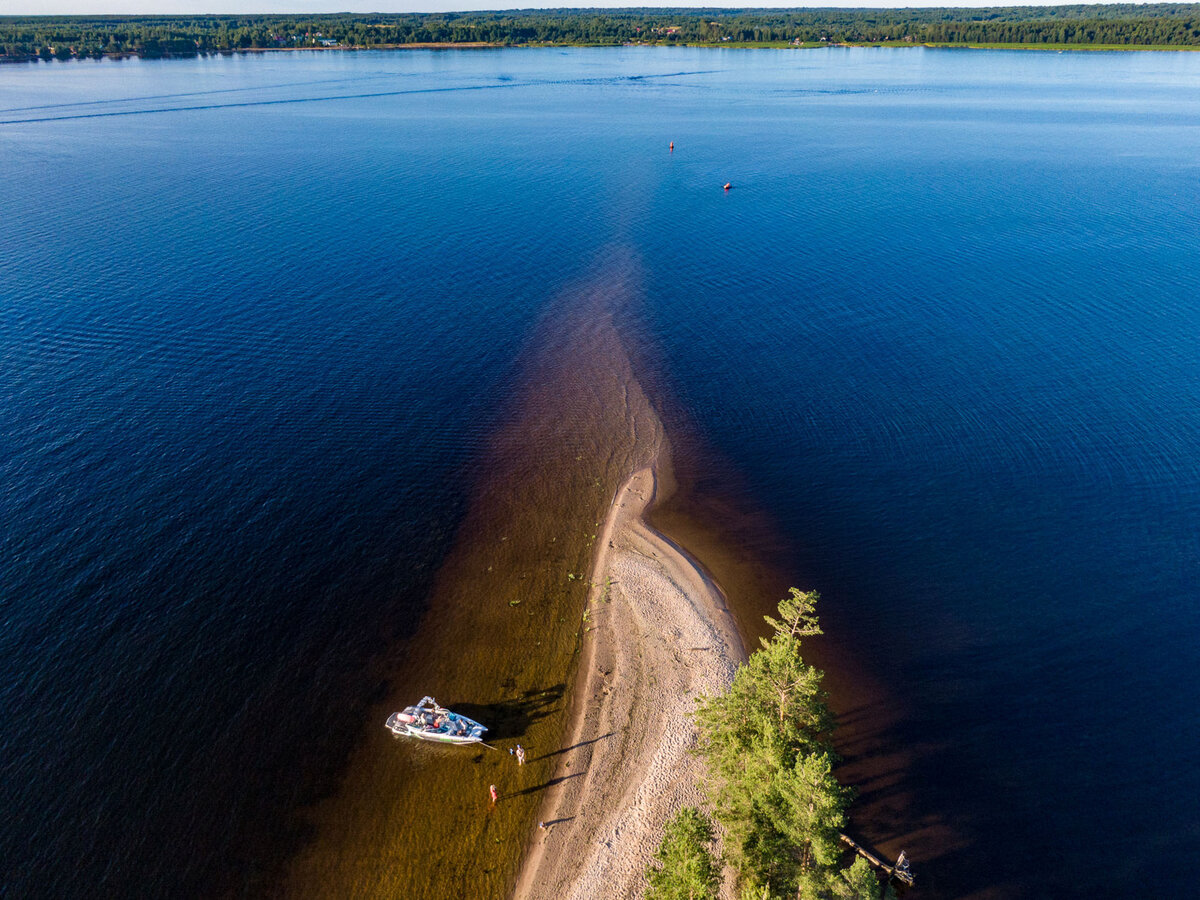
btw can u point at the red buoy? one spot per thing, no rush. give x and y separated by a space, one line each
672 146
728 185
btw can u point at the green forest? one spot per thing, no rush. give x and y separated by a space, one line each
24 38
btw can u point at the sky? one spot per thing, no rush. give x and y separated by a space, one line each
171 7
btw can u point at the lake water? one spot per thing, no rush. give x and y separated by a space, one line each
258 315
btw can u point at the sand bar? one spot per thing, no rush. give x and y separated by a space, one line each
658 635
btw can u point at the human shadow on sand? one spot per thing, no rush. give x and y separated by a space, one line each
511 718
572 747
548 784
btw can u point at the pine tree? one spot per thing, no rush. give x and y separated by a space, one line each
770 764
688 870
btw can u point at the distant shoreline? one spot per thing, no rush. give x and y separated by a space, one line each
1114 26
729 45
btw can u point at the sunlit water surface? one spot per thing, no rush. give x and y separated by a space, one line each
258 314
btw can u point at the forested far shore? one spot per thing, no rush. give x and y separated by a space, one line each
1116 25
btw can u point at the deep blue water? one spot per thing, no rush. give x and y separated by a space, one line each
258 313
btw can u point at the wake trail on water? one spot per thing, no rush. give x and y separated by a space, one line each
260 87
366 95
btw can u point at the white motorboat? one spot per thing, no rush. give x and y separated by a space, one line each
431 722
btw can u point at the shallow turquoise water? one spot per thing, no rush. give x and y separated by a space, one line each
257 314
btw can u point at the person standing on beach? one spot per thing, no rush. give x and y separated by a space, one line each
520 755
495 794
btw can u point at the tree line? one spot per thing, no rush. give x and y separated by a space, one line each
64 37
766 746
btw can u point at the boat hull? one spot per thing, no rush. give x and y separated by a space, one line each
439 738
429 722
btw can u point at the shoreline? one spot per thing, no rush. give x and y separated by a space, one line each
658 633
731 45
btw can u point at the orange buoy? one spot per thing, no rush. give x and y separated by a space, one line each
672 146
728 185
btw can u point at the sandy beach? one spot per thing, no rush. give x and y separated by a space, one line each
659 634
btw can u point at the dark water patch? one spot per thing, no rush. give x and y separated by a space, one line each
709 507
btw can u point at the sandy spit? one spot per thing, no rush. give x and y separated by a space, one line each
657 634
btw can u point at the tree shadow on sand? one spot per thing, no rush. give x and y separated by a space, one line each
511 718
